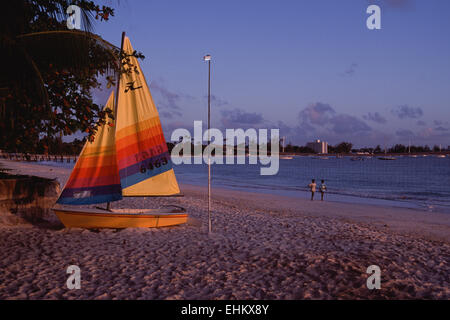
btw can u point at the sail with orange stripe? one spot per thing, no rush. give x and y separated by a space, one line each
143 159
94 179
129 157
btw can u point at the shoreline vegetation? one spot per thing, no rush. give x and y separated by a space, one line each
262 247
69 157
55 149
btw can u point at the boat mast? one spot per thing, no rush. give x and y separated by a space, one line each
108 204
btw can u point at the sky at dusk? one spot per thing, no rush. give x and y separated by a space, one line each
310 68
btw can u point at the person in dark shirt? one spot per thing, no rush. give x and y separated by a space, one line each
322 189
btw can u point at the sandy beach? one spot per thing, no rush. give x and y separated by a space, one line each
262 247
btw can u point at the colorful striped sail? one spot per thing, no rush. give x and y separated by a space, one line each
94 179
143 159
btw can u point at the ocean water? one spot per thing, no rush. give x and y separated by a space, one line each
422 182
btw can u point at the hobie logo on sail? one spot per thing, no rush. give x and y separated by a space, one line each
235 139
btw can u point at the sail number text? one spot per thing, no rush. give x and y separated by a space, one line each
150 165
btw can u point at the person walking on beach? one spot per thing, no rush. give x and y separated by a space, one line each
312 187
322 189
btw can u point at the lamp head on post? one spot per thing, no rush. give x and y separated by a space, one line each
207 58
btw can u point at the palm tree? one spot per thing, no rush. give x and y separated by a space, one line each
25 49
34 38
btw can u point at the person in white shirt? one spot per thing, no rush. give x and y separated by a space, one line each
312 187
322 189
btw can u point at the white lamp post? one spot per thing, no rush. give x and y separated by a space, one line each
208 58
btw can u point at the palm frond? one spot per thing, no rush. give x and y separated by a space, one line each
71 32
69 48
57 10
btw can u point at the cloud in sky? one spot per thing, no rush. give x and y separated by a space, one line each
424 136
350 71
375 117
168 102
440 122
170 114
404 133
441 126
405 112
169 127
169 99
321 121
320 115
421 123
216 101
348 124
316 114
237 118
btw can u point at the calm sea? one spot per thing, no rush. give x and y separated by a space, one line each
422 182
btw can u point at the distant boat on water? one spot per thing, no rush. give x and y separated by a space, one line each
441 156
386 157
409 151
285 157
357 159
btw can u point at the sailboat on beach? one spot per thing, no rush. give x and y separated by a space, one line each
127 158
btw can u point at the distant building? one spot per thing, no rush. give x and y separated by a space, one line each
318 146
